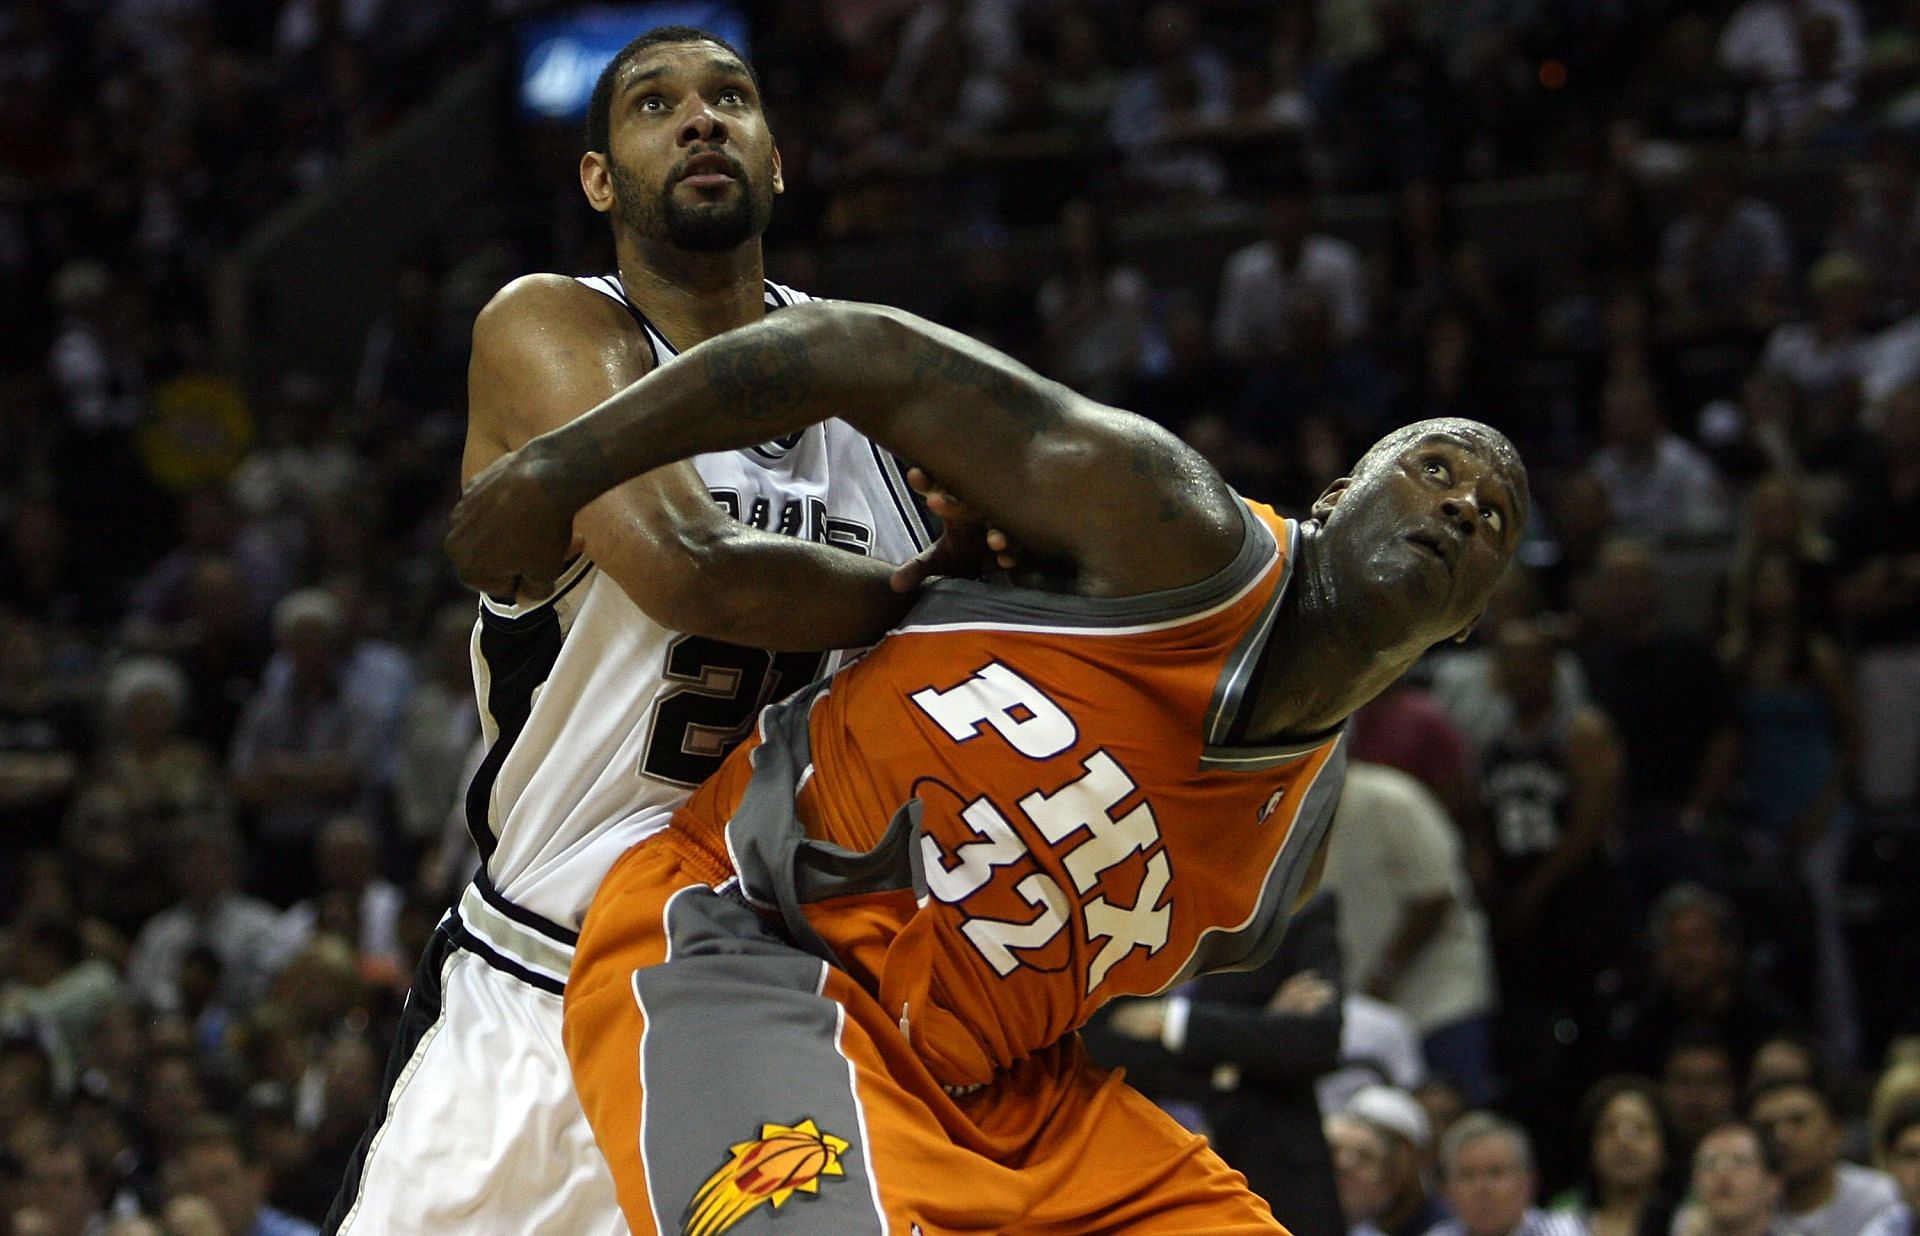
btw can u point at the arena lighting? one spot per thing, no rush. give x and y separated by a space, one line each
561 56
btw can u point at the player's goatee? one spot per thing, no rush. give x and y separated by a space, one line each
699 227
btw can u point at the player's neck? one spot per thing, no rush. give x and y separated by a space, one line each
691 297
1323 665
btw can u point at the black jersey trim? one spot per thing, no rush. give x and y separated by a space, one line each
498 960
520 914
519 654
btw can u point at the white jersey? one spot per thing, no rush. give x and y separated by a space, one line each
599 721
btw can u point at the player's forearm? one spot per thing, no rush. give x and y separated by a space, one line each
776 593
880 370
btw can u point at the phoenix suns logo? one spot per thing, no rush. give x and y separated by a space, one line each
782 1161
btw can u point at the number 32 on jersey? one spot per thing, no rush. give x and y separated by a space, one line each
1078 821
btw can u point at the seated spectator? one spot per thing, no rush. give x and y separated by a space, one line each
1377 1044
247 934
1360 1153
1699 1085
1737 1181
1246 1048
1081 82
440 730
1487 1172
1180 94
213 1164
147 783
223 653
44 741
1464 678
50 983
1399 104
160 613
1313 375
1410 931
306 747
64 1190
1094 312
1878 598
1250 324
1828 352
1406 728
1784 1056
1899 1152
1622 1188
1659 486
1699 985
1411 1209
353 902
1666 695
1582 524
1797 56
1724 263
1822 1195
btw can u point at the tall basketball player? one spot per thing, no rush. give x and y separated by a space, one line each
607 693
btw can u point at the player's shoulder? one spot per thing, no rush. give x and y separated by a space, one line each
545 301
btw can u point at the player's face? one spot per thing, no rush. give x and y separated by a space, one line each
1427 531
691 163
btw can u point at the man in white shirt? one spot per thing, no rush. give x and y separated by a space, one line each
1261 279
1410 931
249 935
1486 1170
1660 485
1823 1195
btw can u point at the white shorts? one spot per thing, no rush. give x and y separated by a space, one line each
480 1132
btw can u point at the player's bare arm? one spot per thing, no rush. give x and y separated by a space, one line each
547 349
1123 506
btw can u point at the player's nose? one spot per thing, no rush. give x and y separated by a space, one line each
1463 510
704 125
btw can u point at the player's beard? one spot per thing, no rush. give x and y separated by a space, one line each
699 227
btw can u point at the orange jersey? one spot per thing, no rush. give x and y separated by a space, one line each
1021 805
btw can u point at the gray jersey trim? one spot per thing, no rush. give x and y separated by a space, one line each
1230 691
963 602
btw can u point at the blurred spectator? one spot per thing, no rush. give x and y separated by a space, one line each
1878 223
1784 1056
1360 1153
1464 678
1395 106
43 744
1683 93
1582 523
1406 728
1665 694
1247 1047
412 365
306 747
1724 264
1828 352
1486 1168
1736 1177
245 933
161 611
52 575
1313 376
1081 81
440 730
1622 1189
64 1190
51 984
1877 543
353 902
214 1165
1822 1195
1410 932
1177 58
1698 985
1783 764
1797 56
147 784
1094 312
1899 1152
1250 324
1412 1209
223 653
1550 783
1658 484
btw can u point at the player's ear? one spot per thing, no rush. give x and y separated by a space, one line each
596 180
1324 504
779 185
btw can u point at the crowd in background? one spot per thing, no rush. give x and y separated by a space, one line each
1636 859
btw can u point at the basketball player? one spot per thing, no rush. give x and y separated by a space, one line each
837 995
609 693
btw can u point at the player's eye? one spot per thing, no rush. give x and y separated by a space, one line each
1495 517
653 103
1437 469
731 95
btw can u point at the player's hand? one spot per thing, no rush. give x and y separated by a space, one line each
965 541
510 535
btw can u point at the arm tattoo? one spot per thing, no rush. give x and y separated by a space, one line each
1030 407
763 375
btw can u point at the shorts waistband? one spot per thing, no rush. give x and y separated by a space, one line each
517 935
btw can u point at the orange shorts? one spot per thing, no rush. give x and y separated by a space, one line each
738 1084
